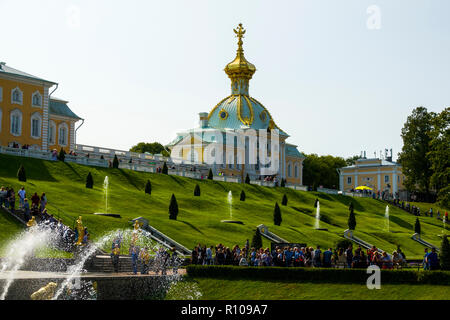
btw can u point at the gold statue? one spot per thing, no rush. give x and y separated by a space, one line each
31 222
136 231
45 293
80 229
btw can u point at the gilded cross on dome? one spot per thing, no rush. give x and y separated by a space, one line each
240 34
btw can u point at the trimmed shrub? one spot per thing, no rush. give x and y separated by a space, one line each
115 163
247 179
197 191
165 170
89 181
351 220
343 243
316 202
256 240
242 195
277 215
317 275
61 155
173 208
284 201
350 207
444 254
21 175
417 226
210 174
148 187
283 182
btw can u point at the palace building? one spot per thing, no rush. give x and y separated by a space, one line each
30 116
378 174
234 116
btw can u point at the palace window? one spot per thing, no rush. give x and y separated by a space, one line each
296 171
16 96
62 134
289 170
51 132
1 94
36 99
386 178
1 117
16 122
349 180
36 121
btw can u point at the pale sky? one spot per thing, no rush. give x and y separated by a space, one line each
338 76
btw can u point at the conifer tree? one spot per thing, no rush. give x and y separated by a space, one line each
61 155
210 174
21 175
197 191
316 202
351 220
173 208
165 170
445 254
277 215
285 200
148 187
242 195
247 179
283 182
115 163
417 226
256 240
89 181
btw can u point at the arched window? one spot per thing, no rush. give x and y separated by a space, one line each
36 124
51 132
1 94
1 118
16 122
62 134
296 170
36 99
289 170
16 96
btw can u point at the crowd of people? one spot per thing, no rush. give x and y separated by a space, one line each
288 256
416 210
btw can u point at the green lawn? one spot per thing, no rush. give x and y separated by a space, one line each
199 217
214 289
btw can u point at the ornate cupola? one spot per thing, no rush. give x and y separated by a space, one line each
240 71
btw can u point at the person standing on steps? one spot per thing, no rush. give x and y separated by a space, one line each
115 257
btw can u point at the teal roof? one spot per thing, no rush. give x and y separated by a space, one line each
60 108
233 121
8 70
292 151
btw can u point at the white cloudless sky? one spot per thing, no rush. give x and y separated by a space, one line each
143 70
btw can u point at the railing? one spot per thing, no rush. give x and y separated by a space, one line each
26 153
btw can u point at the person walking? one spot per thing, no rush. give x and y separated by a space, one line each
349 256
22 193
433 259
134 259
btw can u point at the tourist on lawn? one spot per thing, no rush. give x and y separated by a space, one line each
26 210
3 193
208 257
308 256
8 196
402 256
220 256
327 258
433 260
243 261
194 256
349 256
317 257
425 263
115 257
12 200
396 260
86 233
35 200
341 258
22 193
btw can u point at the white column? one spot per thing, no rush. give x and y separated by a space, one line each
45 120
379 181
341 181
394 183
356 179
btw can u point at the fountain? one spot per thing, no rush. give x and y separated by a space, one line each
105 192
230 205
317 222
386 221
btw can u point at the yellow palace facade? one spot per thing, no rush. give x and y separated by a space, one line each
30 117
229 120
378 174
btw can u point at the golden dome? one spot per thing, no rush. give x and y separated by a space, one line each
240 68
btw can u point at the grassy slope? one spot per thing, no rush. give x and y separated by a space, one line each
199 217
277 290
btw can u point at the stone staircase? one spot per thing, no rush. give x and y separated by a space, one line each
103 263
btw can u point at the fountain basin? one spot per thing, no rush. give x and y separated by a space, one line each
321 229
114 215
232 221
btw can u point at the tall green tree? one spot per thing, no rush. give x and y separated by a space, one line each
416 165
152 147
210 174
197 191
277 215
165 170
115 163
351 220
242 195
439 156
89 181
247 179
444 254
417 228
322 171
21 175
61 155
256 240
173 208
148 187
284 201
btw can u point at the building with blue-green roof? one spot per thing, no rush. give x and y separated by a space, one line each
238 124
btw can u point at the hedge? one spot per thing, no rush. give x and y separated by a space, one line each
324 275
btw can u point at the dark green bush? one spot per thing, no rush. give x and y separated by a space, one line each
165 170
247 179
284 201
21 175
115 163
173 208
197 191
242 195
89 181
256 240
148 187
210 174
277 215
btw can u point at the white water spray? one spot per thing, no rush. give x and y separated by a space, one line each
105 191
230 203
317 224
386 216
